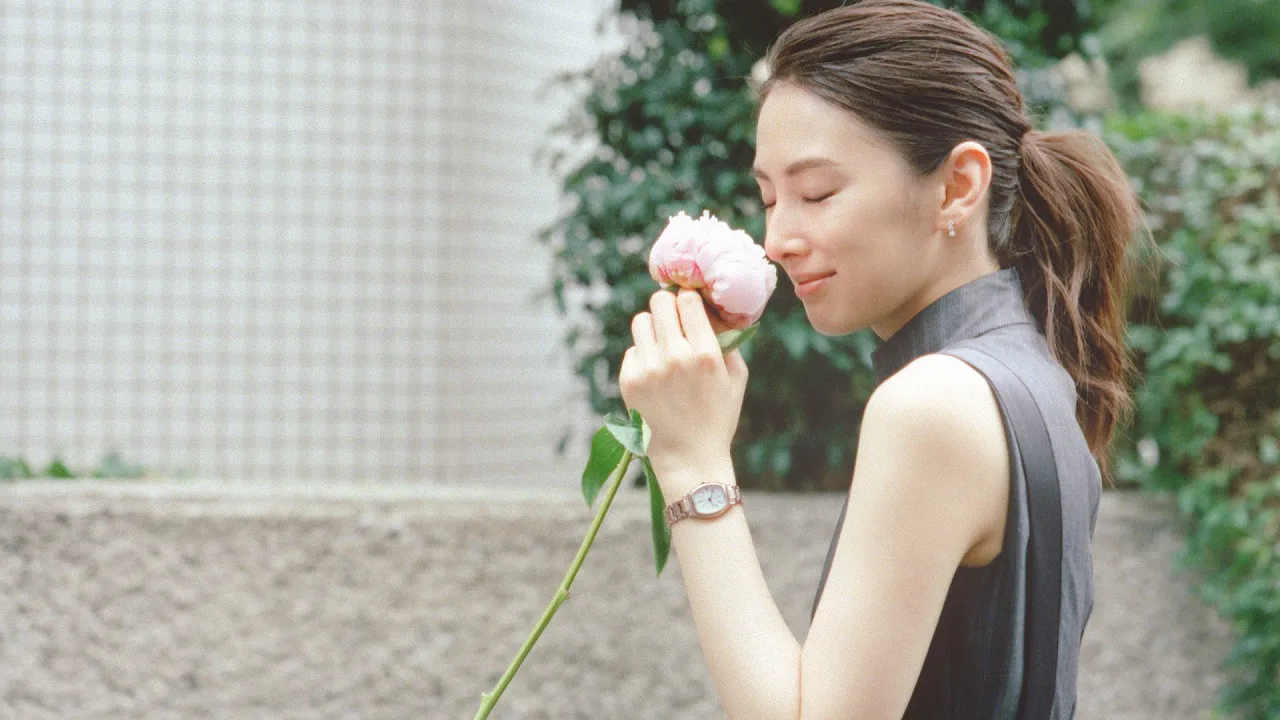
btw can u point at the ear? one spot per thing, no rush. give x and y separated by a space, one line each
966 177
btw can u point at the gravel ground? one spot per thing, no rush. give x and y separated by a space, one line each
187 601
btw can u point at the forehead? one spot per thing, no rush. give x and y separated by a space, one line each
794 122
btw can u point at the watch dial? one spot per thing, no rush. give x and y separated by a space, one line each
709 499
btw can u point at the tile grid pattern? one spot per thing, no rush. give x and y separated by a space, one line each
223 233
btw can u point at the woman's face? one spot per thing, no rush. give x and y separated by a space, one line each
841 203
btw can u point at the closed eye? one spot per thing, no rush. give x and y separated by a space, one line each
809 200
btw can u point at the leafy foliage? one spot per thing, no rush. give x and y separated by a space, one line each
16 468
1207 336
1245 31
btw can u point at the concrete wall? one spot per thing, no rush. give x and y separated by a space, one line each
163 601
267 240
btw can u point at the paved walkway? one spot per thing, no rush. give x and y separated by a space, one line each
128 600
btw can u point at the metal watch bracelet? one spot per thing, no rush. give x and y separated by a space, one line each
683 507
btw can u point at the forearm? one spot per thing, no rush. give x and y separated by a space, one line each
752 655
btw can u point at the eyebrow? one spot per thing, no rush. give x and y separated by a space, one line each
797 167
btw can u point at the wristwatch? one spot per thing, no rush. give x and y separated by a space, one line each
707 500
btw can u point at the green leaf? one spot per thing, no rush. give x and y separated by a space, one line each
631 432
717 46
1269 450
730 339
12 468
59 469
606 452
661 533
789 8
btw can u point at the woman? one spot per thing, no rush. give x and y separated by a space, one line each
906 191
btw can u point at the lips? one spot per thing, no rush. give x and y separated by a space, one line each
798 280
807 285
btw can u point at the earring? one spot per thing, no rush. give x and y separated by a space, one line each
951 228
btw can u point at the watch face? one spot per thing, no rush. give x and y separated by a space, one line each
709 499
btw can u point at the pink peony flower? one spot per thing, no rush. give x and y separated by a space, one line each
723 264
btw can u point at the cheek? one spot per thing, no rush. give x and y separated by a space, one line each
862 228
891 226
873 243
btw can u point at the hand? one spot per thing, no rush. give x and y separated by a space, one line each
675 375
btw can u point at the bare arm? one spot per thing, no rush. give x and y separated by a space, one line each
931 482
752 655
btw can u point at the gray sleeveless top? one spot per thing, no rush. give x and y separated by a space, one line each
974 667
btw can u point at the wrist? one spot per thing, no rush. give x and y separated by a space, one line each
678 479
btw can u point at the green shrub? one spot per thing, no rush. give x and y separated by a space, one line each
1206 334
1243 31
112 466
14 468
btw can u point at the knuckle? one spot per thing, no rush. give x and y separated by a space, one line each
626 383
666 370
705 361
632 382
638 377
694 361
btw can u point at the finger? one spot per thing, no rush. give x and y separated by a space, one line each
666 322
736 366
642 334
718 325
694 320
629 361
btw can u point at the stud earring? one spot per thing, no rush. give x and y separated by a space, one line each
951 228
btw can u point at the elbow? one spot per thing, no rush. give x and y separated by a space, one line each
797 704
772 695
779 699
798 708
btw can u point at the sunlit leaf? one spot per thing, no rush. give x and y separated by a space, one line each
606 451
730 339
661 533
629 431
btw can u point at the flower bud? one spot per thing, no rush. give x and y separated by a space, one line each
724 265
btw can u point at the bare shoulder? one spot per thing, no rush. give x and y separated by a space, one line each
942 411
940 395
937 381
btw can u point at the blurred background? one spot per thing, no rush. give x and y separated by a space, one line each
277 241
393 248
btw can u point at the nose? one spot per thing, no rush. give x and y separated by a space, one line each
782 237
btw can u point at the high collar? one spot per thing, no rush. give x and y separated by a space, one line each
975 308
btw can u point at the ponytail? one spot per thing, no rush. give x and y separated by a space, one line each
1072 220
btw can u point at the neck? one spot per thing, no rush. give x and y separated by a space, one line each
959 273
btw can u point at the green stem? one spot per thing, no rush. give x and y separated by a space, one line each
489 699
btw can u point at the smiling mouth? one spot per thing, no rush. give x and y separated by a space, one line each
814 280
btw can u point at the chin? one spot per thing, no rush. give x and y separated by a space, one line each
834 327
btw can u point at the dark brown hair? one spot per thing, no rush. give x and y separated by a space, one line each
1061 209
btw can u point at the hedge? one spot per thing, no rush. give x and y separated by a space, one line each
1206 332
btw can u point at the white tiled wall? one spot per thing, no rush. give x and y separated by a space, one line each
260 240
